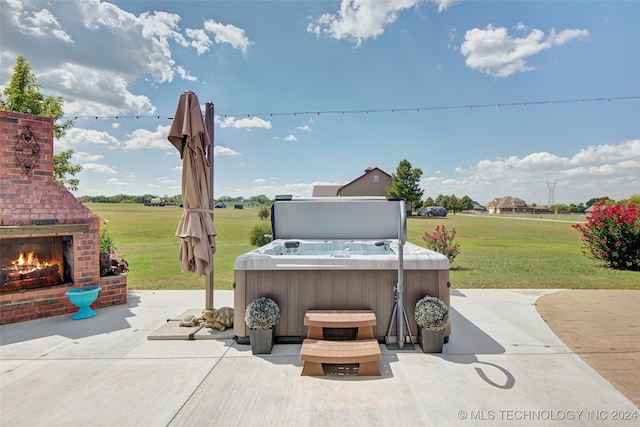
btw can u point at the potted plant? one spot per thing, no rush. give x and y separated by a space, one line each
82 298
261 316
431 315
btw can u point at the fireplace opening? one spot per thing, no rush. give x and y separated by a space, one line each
35 262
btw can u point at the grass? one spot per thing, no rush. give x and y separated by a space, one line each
496 251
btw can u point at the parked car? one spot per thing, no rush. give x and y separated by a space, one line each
220 205
433 211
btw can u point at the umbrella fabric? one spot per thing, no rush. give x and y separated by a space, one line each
196 230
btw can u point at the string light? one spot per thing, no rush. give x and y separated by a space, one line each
523 104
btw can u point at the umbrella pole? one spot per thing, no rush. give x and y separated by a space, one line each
209 117
399 314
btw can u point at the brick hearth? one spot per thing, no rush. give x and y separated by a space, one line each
33 205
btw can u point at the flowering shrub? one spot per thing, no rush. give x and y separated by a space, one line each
431 313
441 241
612 235
262 313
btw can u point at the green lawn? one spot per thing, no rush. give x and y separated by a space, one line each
496 251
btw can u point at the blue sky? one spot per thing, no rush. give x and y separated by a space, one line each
314 92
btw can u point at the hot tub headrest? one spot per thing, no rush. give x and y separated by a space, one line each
339 218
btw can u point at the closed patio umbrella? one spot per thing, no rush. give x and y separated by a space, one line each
196 230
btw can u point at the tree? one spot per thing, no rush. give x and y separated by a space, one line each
466 204
23 96
635 199
443 200
595 200
573 208
262 199
62 168
454 203
405 184
429 202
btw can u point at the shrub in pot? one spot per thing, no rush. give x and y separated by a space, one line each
261 316
431 315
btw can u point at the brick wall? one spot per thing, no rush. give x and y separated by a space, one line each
47 302
35 196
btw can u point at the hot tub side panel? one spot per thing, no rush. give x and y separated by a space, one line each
297 291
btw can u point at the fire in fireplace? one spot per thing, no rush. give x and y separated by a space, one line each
35 262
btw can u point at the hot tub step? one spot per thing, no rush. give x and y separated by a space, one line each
364 352
364 320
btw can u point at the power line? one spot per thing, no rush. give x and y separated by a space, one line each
523 104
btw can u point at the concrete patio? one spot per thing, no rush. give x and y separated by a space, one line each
503 366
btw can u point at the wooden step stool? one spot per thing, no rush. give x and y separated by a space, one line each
364 351
364 320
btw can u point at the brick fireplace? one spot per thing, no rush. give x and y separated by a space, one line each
49 241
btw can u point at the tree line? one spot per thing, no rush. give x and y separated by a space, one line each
450 203
124 198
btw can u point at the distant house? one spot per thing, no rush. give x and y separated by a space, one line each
373 182
508 204
477 207
589 210
325 190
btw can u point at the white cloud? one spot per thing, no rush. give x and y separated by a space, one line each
599 153
78 136
359 20
200 41
111 49
116 181
81 156
92 92
445 4
244 123
97 167
41 23
266 180
612 166
219 151
155 139
494 51
290 137
228 34
165 180
305 128
184 74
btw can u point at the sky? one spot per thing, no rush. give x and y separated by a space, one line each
487 98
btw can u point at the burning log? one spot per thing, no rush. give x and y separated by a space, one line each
43 277
50 270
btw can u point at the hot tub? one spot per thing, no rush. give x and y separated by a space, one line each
335 273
